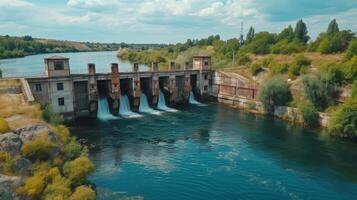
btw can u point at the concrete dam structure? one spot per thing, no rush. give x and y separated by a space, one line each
74 95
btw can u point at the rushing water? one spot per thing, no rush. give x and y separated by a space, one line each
144 106
103 110
214 152
192 99
34 65
124 108
161 104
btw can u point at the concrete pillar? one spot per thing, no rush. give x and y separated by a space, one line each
115 86
136 86
92 90
187 85
154 67
155 89
172 88
172 66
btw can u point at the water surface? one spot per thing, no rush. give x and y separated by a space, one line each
34 65
214 152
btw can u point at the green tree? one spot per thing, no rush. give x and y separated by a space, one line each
287 34
352 49
250 34
332 27
301 32
275 92
320 90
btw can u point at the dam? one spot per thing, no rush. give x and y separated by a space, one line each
76 95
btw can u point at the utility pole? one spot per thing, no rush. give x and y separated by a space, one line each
241 33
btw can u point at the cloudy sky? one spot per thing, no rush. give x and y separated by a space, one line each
166 21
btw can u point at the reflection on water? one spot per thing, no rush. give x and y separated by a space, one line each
215 152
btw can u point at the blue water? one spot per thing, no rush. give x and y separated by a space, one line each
144 106
215 152
103 110
124 108
34 65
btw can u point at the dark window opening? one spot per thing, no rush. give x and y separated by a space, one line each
206 77
59 65
61 101
59 86
38 87
206 88
206 63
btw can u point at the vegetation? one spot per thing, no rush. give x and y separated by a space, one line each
4 126
255 68
83 193
38 149
309 114
344 120
320 90
275 92
50 116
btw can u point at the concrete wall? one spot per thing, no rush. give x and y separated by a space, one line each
50 67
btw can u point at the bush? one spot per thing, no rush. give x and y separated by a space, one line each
278 68
286 47
58 189
62 133
294 70
4 126
33 186
50 116
309 114
78 169
320 90
243 59
255 68
83 193
350 70
73 149
39 149
333 71
275 92
6 163
301 60
344 120
354 90
351 50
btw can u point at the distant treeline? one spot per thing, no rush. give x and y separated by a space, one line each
12 47
289 41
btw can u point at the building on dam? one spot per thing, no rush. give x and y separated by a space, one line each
74 95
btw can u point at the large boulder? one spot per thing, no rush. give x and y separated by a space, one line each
10 143
22 166
33 132
8 185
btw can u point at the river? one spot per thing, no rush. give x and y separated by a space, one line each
215 152
34 65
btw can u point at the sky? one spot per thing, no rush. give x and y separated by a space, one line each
166 21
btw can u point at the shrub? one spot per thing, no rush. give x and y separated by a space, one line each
294 70
309 114
351 50
301 60
50 116
354 90
6 163
333 71
58 189
33 186
255 68
62 133
243 59
78 169
350 70
275 92
286 47
39 149
72 149
4 126
320 90
344 120
278 68
83 193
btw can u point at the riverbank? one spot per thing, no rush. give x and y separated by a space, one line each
38 157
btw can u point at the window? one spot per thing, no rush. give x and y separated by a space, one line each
206 77
206 88
38 87
61 101
206 63
59 65
59 86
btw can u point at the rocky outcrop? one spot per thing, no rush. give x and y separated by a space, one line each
22 166
10 143
8 185
33 132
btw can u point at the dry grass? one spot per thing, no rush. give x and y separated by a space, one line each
8 83
17 112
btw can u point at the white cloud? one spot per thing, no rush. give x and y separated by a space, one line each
214 9
15 3
92 4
